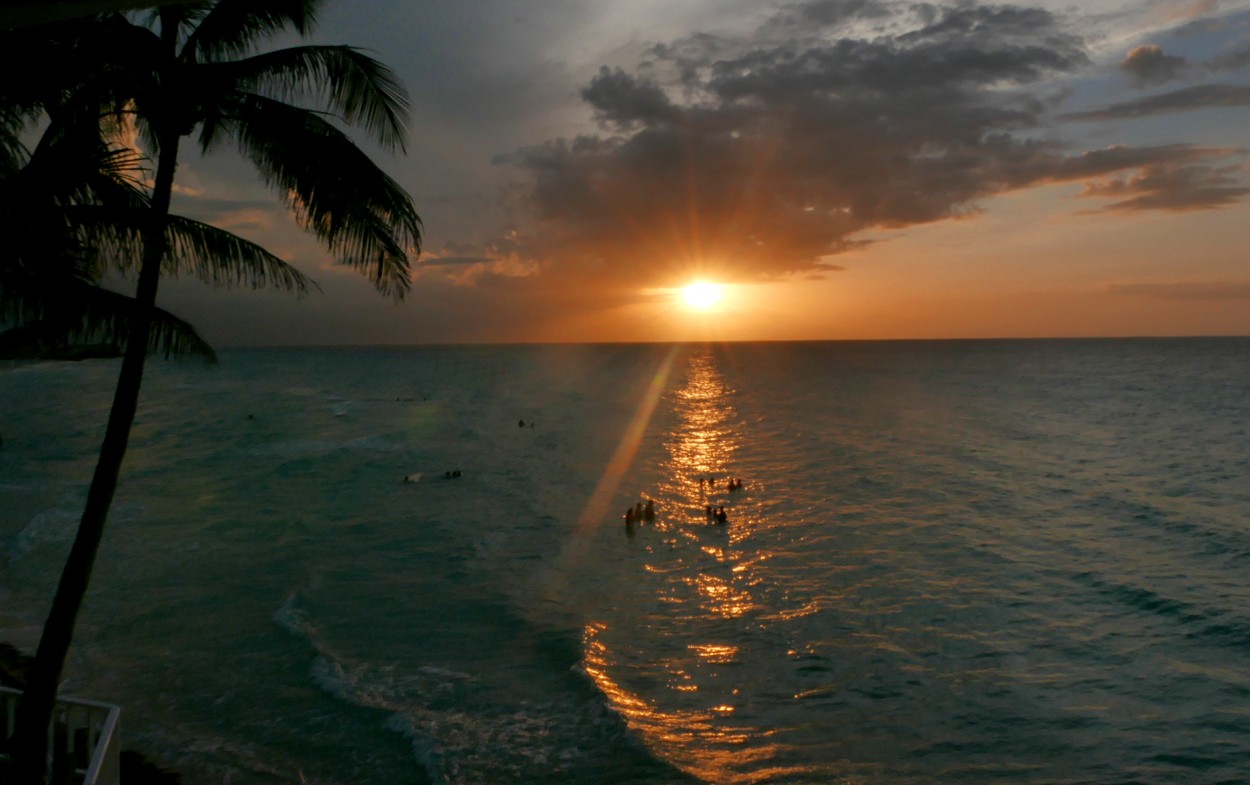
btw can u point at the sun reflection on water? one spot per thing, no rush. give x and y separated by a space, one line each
686 632
719 747
705 441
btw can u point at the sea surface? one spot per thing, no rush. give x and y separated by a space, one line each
951 562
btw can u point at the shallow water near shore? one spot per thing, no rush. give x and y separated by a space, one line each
973 562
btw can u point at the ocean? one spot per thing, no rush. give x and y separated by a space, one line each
950 562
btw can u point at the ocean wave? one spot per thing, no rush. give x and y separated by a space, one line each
1218 626
460 729
50 526
461 733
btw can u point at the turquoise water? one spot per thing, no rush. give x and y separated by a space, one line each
973 562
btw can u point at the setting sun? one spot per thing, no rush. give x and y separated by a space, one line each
701 295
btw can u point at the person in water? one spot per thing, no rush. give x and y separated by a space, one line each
721 516
648 512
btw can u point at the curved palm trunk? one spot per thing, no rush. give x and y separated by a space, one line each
34 714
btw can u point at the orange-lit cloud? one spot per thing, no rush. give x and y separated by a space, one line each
814 155
1149 65
766 155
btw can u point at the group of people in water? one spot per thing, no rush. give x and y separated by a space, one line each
731 484
715 515
640 512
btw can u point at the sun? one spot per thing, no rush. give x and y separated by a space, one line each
701 295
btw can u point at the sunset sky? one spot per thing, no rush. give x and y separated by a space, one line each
844 169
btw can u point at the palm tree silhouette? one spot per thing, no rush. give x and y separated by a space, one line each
74 209
196 66
67 205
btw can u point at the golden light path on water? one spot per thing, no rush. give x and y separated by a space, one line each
697 592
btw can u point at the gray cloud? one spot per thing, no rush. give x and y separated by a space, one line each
1210 96
802 18
764 156
1174 188
627 103
1231 61
1148 65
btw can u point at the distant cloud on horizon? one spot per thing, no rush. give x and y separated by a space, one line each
1186 99
1184 291
1177 186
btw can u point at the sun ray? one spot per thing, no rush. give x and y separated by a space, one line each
596 512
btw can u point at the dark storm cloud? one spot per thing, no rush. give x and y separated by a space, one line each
1148 65
1209 96
764 156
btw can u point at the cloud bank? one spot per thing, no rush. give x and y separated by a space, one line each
765 155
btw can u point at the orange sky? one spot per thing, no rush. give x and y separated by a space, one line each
847 171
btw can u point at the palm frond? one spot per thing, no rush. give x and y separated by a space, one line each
71 164
206 252
232 28
221 258
335 190
13 154
79 312
188 13
343 79
71 172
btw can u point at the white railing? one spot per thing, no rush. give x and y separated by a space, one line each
84 735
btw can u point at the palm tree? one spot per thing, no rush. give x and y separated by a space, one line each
50 268
66 207
195 66
73 211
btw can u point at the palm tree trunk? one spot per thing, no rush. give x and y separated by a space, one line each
34 714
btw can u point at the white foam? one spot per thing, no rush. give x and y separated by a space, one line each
50 526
